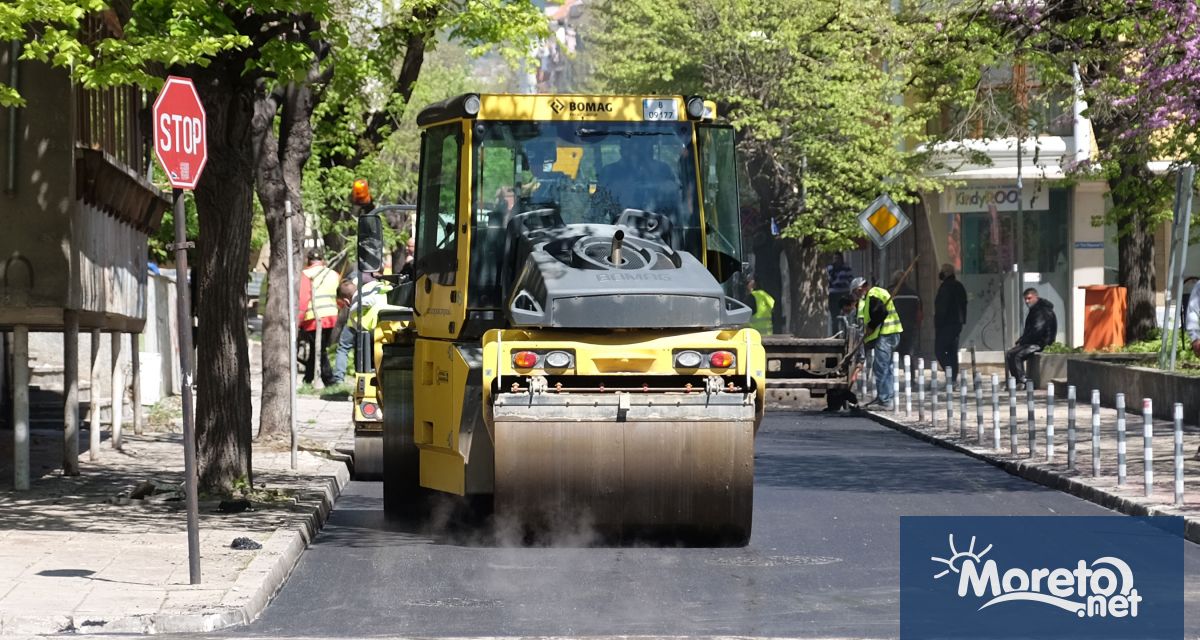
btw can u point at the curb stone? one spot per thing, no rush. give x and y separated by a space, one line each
1047 478
254 588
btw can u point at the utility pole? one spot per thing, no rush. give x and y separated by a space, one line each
291 298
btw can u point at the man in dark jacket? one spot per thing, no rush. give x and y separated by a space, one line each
949 316
1041 328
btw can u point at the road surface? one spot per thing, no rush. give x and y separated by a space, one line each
823 560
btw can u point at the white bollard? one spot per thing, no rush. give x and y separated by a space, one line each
921 390
949 399
1031 419
977 381
1095 433
1012 417
1050 422
1071 427
1148 444
962 407
933 396
895 383
995 412
907 386
869 374
862 383
1122 466
1178 454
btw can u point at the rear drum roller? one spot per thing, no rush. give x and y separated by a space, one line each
368 452
401 471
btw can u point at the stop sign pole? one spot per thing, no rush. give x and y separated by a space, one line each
180 143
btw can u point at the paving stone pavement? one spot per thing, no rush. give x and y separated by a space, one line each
1054 471
73 559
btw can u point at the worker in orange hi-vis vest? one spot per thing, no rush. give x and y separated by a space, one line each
318 309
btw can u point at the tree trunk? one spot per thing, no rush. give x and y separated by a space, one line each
1136 248
223 201
280 162
809 294
777 192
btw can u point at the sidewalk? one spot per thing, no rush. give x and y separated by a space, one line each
1103 488
77 556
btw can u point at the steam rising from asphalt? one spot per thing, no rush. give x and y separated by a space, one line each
513 567
461 522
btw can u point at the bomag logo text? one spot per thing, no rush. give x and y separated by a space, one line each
589 107
632 277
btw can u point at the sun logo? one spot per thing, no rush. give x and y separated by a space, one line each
957 558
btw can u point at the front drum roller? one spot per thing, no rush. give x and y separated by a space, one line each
667 472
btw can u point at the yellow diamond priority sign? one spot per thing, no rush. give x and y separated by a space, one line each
883 221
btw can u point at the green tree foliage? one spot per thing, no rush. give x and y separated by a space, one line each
801 80
1127 54
813 88
417 52
391 170
346 118
253 61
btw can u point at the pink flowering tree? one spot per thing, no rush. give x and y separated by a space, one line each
1164 80
1139 70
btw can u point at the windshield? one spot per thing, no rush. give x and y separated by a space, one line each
589 172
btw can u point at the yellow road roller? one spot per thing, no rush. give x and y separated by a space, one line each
574 343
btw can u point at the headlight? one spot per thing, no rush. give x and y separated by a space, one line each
558 360
471 105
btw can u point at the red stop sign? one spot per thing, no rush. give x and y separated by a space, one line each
180 132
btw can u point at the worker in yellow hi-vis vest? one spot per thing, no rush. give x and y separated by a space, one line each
881 333
764 306
318 312
372 297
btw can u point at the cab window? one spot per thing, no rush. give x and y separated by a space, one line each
437 208
588 173
718 185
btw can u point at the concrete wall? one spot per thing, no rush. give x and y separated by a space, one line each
35 214
161 332
159 341
57 252
1136 383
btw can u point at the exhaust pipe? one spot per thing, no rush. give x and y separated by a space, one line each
618 241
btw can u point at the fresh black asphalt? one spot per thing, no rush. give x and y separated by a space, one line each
823 560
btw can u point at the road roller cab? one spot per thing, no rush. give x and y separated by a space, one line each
577 347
